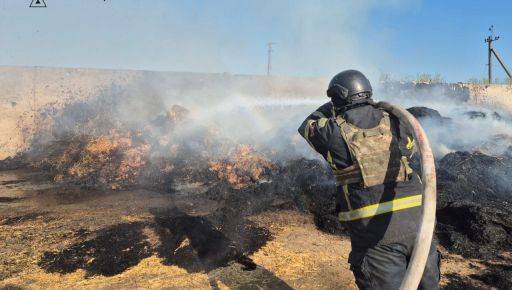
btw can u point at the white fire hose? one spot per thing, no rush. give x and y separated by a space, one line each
428 215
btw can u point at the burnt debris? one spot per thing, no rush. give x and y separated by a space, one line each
474 195
483 115
110 252
194 243
424 112
474 177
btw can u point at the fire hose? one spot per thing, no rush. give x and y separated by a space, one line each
428 214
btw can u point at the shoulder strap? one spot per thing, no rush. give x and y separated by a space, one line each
347 133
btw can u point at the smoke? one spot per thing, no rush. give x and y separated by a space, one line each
463 126
267 123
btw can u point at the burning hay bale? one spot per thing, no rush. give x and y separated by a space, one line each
244 168
177 113
92 143
114 161
165 123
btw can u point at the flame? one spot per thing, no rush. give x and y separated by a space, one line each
245 167
100 145
112 160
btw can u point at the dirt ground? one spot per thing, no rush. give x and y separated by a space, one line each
107 240
64 237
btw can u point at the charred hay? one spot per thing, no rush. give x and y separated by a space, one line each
474 177
474 195
483 115
475 230
424 112
428 113
194 243
110 252
15 162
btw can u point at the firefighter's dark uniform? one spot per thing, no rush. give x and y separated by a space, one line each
382 216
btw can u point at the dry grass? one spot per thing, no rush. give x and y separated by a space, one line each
303 256
299 255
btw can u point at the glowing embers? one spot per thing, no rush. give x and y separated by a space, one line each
116 160
243 168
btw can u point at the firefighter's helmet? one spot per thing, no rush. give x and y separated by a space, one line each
348 87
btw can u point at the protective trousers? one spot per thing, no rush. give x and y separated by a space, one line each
383 267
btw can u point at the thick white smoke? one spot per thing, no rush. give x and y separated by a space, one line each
466 127
270 124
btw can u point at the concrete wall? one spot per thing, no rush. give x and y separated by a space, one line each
499 96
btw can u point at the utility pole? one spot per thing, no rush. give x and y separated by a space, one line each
491 51
489 41
269 58
502 64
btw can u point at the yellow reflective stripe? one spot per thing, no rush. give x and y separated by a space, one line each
306 132
322 122
381 208
345 194
330 161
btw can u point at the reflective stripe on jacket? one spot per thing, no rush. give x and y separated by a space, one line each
381 208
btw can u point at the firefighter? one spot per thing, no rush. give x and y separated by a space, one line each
378 189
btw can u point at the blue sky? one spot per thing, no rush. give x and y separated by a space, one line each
313 38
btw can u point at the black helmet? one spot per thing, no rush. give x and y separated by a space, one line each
349 87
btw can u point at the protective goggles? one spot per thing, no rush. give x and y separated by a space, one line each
337 91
